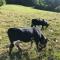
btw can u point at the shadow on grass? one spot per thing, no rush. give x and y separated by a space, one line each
25 56
18 56
14 56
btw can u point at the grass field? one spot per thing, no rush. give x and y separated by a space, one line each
20 16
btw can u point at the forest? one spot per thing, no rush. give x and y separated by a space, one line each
52 5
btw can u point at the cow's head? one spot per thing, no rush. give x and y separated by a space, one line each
45 23
42 44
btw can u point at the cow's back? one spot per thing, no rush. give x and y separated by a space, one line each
20 34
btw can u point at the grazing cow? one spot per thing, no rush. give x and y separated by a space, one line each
42 22
26 35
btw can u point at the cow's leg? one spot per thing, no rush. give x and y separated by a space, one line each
20 50
18 47
17 44
46 26
31 43
42 27
35 25
36 45
31 25
10 48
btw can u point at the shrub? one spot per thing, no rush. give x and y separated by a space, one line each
2 2
57 9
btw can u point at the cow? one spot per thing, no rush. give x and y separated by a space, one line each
26 35
36 22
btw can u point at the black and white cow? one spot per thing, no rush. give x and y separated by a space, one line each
36 22
26 35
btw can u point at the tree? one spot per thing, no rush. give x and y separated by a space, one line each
52 3
2 2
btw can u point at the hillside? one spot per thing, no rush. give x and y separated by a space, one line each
20 16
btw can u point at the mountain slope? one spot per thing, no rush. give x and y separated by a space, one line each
20 16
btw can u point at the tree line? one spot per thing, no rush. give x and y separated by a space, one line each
53 5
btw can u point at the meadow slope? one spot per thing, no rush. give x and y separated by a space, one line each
20 16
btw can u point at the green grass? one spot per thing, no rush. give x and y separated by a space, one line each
20 16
